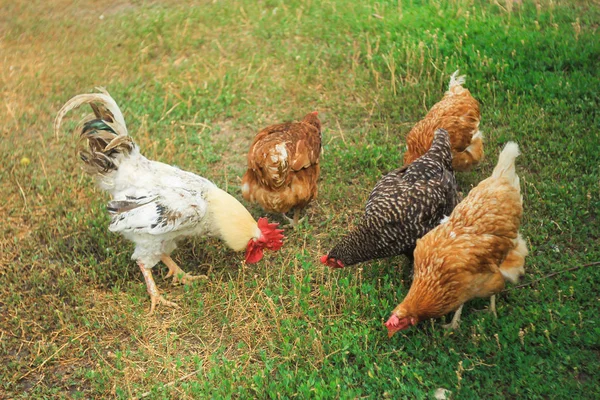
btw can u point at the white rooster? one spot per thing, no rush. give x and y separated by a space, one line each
155 204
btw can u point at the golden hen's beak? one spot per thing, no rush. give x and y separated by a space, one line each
392 332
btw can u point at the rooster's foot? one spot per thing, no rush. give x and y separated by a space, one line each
155 296
158 299
184 278
179 275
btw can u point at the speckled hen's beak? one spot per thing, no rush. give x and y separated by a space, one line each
331 262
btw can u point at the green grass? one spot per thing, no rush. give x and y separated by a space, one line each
195 84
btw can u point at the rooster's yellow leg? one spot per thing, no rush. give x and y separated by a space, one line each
455 320
177 273
155 296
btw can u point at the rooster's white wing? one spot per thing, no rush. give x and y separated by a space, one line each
175 209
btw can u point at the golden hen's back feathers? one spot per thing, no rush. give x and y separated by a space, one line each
283 165
458 113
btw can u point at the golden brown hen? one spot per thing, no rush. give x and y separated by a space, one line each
470 254
458 113
283 166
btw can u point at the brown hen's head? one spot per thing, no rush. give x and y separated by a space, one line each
399 320
270 238
313 119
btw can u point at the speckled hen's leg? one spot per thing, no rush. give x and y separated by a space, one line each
455 320
177 273
155 296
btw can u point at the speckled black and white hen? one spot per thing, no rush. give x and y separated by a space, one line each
404 205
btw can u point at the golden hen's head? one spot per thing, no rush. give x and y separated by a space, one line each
400 319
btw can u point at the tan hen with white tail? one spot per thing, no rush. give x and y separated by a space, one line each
458 113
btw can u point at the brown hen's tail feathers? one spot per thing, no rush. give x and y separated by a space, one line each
506 165
103 139
512 267
456 80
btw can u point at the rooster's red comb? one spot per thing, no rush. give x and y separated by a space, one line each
272 236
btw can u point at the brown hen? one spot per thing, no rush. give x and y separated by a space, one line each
470 254
283 166
458 113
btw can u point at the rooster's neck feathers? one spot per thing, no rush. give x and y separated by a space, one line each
233 223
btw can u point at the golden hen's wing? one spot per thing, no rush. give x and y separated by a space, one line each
307 138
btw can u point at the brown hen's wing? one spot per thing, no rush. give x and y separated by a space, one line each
269 155
493 207
283 165
305 143
301 156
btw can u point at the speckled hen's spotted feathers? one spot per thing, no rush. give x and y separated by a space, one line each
404 205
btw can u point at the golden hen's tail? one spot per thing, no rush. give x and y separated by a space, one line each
513 266
506 165
456 82
103 139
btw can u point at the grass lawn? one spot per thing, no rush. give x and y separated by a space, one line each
196 82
